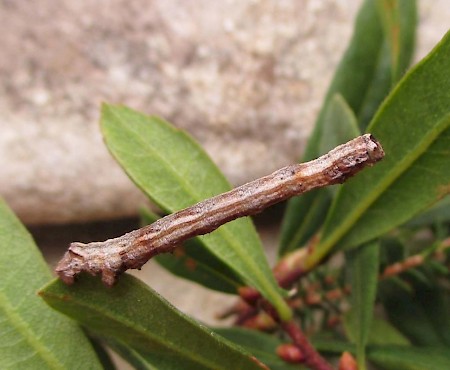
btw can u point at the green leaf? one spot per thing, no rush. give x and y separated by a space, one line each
194 263
32 335
364 261
102 354
393 250
420 313
398 19
440 212
262 346
339 124
304 215
381 332
394 357
175 173
359 73
137 360
355 72
410 358
363 79
331 345
413 127
136 316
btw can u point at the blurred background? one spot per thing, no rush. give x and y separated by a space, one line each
245 78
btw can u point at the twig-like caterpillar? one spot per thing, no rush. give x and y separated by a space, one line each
134 249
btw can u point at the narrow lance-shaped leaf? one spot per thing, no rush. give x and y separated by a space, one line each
413 126
421 313
304 215
339 126
262 345
140 361
394 357
363 78
364 269
33 336
398 19
136 316
193 263
409 358
176 173
381 332
440 212
355 73
102 354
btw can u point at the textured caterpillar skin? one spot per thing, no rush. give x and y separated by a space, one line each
134 249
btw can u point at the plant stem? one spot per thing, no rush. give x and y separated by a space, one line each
312 358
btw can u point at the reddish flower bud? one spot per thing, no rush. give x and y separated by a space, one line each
248 294
261 321
333 321
290 353
347 362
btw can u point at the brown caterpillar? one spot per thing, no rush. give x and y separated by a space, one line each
134 249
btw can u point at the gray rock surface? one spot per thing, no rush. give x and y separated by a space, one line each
245 78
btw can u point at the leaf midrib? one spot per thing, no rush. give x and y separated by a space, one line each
131 325
29 335
394 174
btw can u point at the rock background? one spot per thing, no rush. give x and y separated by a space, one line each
245 78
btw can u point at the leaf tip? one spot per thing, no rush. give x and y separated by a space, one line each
105 107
